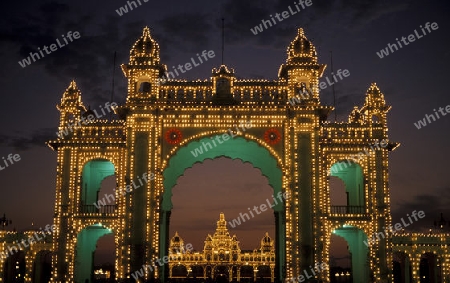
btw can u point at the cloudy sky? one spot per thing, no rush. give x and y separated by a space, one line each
414 80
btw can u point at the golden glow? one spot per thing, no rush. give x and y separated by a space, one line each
189 106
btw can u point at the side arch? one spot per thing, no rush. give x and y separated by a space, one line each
355 238
93 173
86 244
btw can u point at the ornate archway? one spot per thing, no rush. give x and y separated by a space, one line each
247 149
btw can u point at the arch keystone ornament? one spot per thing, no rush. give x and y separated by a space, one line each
164 129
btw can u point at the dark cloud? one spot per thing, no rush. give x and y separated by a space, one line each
88 60
36 138
185 31
351 15
433 204
365 12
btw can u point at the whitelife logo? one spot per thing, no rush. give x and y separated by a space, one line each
199 150
49 229
71 127
263 207
161 261
422 123
53 47
123 10
395 228
109 198
187 66
411 38
306 93
10 160
285 14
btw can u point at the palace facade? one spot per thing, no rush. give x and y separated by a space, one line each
293 144
222 258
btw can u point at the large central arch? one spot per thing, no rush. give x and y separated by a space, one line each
245 149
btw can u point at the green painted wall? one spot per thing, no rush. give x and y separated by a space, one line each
352 176
304 163
94 172
86 245
355 239
139 206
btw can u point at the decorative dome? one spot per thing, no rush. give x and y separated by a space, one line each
301 50
176 238
266 239
71 98
223 70
145 50
374 97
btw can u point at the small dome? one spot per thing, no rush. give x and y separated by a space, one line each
374 90
375 97
266 239
145 50
301 50
223 70
176 238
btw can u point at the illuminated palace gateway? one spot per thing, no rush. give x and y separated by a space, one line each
222 257
293 145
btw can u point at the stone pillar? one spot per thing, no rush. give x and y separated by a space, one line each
272 274
415 262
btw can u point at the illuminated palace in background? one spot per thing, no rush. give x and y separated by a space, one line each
222 258
293 145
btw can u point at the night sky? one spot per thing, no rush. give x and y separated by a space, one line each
414 80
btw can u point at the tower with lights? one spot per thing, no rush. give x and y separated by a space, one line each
293 144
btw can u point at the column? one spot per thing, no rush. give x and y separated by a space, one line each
416 268
407 269
272 274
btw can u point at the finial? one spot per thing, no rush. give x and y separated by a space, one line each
146 31
223 38
374 87
301 32
73 84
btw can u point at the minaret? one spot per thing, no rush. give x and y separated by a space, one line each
144 70
302 70
222 225
71 106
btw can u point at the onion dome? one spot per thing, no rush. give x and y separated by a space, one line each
374 97
145 50
301 50
266 239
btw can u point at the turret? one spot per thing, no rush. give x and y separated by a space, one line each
302 70
375 109
71 106
144 70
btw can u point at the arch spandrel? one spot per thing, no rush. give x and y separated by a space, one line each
235 148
